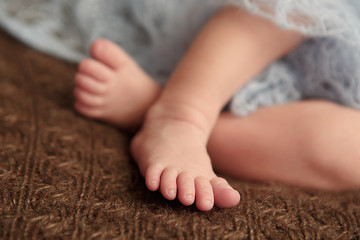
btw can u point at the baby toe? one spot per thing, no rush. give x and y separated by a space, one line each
204 194
168 183
109 53
224 195
88 99
88 111
152 177
186 188
96 70
89 84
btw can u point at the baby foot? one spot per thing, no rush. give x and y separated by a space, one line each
112 87
172 156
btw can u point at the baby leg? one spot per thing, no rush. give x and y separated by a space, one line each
171 147
112 87
311 143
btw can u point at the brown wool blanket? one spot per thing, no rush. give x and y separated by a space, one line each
63 176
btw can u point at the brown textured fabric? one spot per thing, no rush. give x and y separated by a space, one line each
63 176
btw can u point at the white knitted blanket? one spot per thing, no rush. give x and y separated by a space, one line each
157 33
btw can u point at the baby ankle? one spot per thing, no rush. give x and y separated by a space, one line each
182 114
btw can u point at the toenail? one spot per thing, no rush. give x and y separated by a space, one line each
153 183
171 192
189 197
208 202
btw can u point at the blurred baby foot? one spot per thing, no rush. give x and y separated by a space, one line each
112 87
